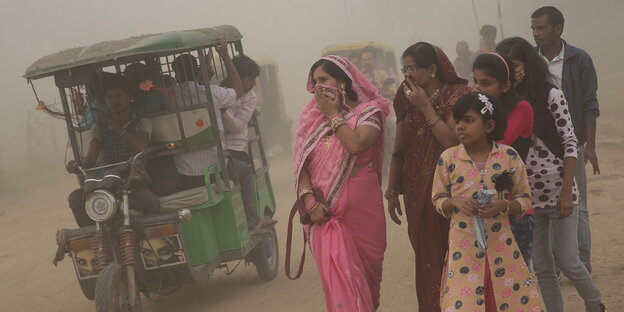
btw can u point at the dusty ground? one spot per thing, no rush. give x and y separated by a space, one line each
30 213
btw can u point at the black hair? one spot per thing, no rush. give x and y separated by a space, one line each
488 30
335 71
369 49
424 56
134 70
535 81
555 17
115 81
245 66
185 67
494 66
472 101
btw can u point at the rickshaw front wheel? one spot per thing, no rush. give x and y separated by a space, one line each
111 291
266 257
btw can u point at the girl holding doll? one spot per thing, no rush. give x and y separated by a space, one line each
484 265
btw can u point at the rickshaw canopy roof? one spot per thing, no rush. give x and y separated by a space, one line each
343 47
144 44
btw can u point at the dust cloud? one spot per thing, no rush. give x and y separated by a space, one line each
292 32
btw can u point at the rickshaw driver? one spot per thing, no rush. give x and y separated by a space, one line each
115 138
235 124
378 77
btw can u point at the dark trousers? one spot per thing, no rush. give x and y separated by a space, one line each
141 199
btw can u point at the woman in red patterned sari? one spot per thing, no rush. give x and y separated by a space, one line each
425 127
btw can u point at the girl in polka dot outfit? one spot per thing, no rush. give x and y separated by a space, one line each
551 165
495 278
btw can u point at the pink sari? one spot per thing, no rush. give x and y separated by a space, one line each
349 248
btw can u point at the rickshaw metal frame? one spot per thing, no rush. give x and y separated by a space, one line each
234 47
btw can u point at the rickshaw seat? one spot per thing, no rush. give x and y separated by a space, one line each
195 196
185 199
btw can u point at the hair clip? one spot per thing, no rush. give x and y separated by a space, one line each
487 105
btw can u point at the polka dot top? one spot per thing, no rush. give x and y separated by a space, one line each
545 170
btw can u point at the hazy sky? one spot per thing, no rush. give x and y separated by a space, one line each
293 32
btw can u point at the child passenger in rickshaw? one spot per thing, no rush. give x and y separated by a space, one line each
115 138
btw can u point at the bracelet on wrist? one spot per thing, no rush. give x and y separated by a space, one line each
508 206
311 209
391 194
305 191
433 121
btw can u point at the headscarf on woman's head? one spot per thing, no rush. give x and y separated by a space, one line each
311 117
448 75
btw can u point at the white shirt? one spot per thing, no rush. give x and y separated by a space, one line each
555 66
236 120
190 93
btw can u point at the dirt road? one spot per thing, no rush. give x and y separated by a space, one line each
31 214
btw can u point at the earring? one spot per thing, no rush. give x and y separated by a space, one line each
433 75
343 87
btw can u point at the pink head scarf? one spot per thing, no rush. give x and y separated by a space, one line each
312 125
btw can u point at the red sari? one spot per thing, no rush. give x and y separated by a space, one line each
427 230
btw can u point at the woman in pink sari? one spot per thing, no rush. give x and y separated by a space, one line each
339 151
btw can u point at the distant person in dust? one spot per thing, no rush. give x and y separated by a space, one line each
378 77
463 61
488 40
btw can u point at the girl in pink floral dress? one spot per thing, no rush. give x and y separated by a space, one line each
484 269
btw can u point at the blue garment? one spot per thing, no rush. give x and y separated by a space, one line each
114 149
579 84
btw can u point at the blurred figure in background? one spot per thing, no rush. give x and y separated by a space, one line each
463 61
488 40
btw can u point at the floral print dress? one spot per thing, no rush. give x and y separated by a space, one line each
515 288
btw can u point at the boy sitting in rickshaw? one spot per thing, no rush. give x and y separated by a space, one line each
116 138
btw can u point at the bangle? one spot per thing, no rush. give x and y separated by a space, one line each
391 194
314 206
433 121
311 205
305 191
508 205
336 121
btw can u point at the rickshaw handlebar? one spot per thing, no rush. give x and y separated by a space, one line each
76 168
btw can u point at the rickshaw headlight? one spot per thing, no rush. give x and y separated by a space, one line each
100 205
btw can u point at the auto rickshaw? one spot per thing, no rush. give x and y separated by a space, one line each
275 125
385 61
196 231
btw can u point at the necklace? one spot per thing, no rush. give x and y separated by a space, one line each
435 94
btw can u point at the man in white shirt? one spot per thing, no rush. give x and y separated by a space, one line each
235 121
189 92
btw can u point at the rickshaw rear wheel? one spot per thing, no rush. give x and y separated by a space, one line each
266 257
111 291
